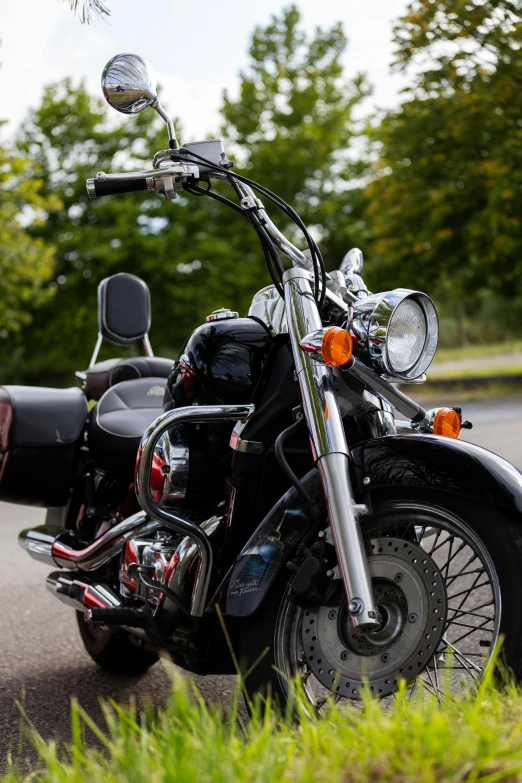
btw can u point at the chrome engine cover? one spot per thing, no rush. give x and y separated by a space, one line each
170 558
170 467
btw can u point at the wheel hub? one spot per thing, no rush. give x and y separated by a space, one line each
410 595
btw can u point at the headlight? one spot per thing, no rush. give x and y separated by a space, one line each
397 331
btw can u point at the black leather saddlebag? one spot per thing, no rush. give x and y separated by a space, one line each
40 433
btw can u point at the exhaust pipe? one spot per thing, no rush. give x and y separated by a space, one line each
84 595
58 547
81 593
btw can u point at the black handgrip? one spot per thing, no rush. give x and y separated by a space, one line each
97 188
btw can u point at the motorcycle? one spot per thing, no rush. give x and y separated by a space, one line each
274 483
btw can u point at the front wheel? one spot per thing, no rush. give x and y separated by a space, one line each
447 579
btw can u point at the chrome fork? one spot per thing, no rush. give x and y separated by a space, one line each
330 449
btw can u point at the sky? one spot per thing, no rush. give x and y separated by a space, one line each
196 48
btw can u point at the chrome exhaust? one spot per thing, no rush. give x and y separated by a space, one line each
81 593
58 547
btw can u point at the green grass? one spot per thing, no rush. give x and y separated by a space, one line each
480 371
418 741
477 351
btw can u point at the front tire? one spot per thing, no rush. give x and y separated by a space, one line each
114 653
473 551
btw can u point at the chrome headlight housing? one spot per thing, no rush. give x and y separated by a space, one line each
397 331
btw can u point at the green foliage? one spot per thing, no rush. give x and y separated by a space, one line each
417 741
446 200
26 264
293 125
440 210
195 254
86 9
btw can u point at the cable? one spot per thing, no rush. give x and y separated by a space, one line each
283 464
317 260
315 254
272 260
196 191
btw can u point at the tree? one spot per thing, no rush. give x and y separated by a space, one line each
446 198
26 263
293 124
71 137
195 254
86 9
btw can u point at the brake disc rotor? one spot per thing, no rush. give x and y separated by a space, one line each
410 595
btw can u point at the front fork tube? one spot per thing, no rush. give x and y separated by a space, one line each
330 450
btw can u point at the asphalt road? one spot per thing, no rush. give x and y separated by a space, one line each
42 661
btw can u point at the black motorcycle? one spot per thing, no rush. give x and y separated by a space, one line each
265 482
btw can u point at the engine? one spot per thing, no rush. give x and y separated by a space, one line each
165 560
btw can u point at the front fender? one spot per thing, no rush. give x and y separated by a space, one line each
443 464
414 461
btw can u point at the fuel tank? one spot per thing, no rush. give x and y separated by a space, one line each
221 363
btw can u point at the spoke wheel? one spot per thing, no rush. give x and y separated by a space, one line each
439 593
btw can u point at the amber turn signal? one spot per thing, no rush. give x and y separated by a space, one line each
336 346
447 422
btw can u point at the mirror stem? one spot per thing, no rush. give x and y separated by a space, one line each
173 144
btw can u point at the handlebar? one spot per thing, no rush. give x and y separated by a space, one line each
170 178
97 188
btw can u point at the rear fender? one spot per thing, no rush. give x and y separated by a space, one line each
411 461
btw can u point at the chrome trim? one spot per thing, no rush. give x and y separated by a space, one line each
352 263
168 518
104 548
223 314
187 552
245 446
91 189
172 170
381 422
351 267
404 381
316 382
268 306
348 541
173 448
329 446
170 125
312 344
425 425
147 346
96 350
384 390
129 83
39 542
130 86
55 546
372 319
63 585
299 258
403 427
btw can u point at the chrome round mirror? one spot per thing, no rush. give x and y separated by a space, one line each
129 83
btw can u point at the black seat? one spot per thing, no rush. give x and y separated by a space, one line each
123 319
120 419
103 375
